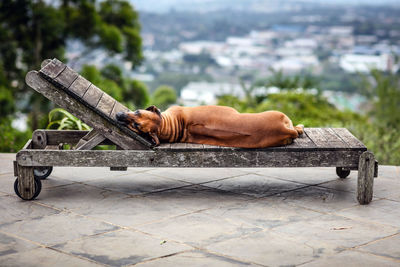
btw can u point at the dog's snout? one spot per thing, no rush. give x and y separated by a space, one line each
121 116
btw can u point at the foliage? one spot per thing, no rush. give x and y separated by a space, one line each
379 130
383 134
33 30
11 139
279 80
61 119
137 93
163 97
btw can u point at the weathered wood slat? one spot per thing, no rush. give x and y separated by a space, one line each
164 146
365 181
80 86
332 140
348 138
45 62
26 182
106 104
317 137
303 141
93 95
90 140
53 69
66 77
117 108
178 146
170 158
78 109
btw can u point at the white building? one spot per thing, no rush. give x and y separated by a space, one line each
364 63
205 93
198 47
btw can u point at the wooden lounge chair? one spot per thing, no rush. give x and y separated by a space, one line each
318 147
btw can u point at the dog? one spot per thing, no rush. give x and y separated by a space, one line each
212 125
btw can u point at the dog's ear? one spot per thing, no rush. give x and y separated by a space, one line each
154 109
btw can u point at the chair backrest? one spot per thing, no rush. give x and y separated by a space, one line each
65 78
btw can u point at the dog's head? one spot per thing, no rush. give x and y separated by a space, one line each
142 121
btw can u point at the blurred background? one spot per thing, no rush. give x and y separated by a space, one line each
324 64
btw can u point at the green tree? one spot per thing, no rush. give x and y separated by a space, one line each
134 94
33 30
163 97
137 93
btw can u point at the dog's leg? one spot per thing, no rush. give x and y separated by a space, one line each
300 128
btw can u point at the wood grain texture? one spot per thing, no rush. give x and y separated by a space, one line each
90 140
80 86
106 104
93 95
171 158
66 77
365 182
39 139
348 138
26 182
117 108
53 69
45 62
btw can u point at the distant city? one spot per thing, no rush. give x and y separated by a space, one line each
205 48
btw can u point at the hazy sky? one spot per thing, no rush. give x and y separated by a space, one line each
166 5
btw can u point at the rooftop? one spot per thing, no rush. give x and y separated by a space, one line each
199 217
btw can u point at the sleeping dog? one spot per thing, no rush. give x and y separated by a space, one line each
212 125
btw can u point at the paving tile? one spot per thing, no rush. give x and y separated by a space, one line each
354 259
130 212
136 184
43 257
264 213
197 229
254 185
7 183
14 209
53 229
389 172
266 248
378 211
383 187
6 163
197 175
309 176
197 197
78 196
10 245
388 247
84 174
195 259
335 231
319 199
121 248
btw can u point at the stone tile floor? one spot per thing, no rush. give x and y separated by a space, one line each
199 217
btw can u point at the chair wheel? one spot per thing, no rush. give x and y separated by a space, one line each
342 173
38 188
42 172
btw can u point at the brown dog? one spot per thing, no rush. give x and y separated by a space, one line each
212 125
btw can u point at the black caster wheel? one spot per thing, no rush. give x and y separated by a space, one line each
42 172
38 188
342 173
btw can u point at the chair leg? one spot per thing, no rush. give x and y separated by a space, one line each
365 183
